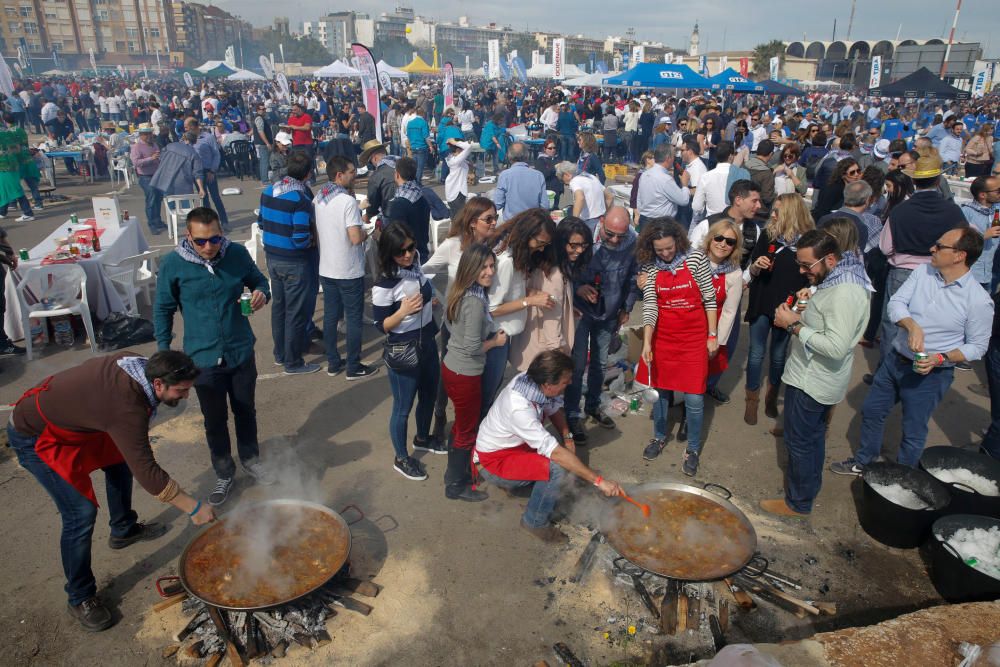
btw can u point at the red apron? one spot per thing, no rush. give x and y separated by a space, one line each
521 463
73 455
720 361
680 348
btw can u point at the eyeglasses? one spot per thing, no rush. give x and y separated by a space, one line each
941 246
853 172
725 239
214 240
613 235
583 245
808 267
489 219
406 250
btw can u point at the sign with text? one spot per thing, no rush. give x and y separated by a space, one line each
559 58
875 80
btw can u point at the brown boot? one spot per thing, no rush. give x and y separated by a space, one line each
771 400
753 398
780 507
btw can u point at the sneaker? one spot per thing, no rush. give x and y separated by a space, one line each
334 371
464 492
547 533
140 532
430 444
92 615
963 366
720 397
10 349
576 428
690 463
602 419
304 369
362 372
25 218
260 473
220 492
848 467
410 468
653 449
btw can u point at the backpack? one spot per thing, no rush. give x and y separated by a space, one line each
812 165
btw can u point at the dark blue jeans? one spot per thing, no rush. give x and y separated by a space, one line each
420 155
760 329
544 493
212 190
218 389
991 443
420 384
593 337
292 281
567 147
343 298
36 195
496 366
896 382
805 439
79 515
154 199
23 202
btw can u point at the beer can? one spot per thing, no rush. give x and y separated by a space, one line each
245 306
802 304
919 356
23 254
74 219
633 405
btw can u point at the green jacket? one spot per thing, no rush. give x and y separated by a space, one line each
215 330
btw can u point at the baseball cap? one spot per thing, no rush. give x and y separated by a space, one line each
283 138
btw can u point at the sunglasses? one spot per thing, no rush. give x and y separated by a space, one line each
725 239
214 240
613 235
941 246
853 172
489 219
406 250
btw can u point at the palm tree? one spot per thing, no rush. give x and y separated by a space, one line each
762 54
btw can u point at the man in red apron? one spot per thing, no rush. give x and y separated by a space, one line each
96 416
515 450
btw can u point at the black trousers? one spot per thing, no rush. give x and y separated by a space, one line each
238 384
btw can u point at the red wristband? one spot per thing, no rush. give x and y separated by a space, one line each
597 482
941 359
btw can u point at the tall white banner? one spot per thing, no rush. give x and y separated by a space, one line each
875 80
979 81
638 54
775 63
559 58
536 58
493 59
230 58
668 57
93 62
723 63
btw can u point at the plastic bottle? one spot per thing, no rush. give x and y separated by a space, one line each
62 329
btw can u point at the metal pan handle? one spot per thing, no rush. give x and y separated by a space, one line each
757 566
361 515
729 494
965 487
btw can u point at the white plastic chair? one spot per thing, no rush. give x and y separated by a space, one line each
253 243
34 285
436 231
121 165
182 205
131 274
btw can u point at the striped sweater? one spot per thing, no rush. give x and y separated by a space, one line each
287 222
701 270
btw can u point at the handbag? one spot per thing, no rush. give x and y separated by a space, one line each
403 356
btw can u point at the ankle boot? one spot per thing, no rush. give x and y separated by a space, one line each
753 398
458 477
771 400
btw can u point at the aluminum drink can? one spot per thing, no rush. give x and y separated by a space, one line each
23 254
919 356
634 404
245 306
74 219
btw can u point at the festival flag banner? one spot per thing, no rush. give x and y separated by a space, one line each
369 84
283 87
559 58
979 81
723 63
493 57
505 72
875 80
449 85
775 63
744 67
602 67
668 58
703 65
638 54
145 71
385 81
230 57
188 81
6 79
520 69
267 67
536 58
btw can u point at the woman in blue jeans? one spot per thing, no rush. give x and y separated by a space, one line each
774 277
401 308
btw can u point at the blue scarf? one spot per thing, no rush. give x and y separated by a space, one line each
672 266
189 254
850 270
527 388
724 268
329 191
390 161
477 291
411 272
135 368
410 191
288 184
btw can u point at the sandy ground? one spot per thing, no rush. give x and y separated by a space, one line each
462 583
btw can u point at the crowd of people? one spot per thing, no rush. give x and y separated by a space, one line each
832 213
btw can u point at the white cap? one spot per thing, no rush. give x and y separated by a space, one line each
283 138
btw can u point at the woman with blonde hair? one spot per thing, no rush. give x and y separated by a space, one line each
773 275
470 323
724 246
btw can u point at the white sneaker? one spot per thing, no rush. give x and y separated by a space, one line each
25 218
261 473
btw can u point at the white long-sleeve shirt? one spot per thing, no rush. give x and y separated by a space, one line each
457 181
514 421
711 193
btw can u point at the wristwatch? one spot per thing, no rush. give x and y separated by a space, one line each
791 327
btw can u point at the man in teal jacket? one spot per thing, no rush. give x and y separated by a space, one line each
204 278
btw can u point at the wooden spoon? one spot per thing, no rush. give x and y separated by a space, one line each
645 508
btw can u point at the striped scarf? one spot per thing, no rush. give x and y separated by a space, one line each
477 291
850 270
410 191
287 184
724 268
189 254
411 272
329 191
672 266
527 388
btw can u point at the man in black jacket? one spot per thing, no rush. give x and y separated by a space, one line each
409 206
381 177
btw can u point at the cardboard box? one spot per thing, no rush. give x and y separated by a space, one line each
634 339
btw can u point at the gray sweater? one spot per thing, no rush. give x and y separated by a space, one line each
465 354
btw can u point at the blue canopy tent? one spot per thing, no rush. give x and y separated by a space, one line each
729 79
651 75
772 87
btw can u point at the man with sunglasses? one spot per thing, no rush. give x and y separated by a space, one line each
818 371
945 316
204 278
263 141
97 416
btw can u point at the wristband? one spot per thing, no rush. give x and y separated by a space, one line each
941 359
712 335
195 510
597 482
567 436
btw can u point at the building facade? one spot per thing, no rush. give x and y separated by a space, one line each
336 31
203 32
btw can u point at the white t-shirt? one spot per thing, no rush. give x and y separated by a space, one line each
457 181
593 195
508 285
338 257
697 169
466 118
102 103
114 104
156 116
49 112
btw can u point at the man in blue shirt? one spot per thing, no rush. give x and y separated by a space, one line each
211 157
947 317
985 191
519 187
418 133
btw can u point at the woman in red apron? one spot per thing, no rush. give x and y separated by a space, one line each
680 333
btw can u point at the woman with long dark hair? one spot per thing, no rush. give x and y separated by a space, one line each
679 330
401 308
470 324
831 197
